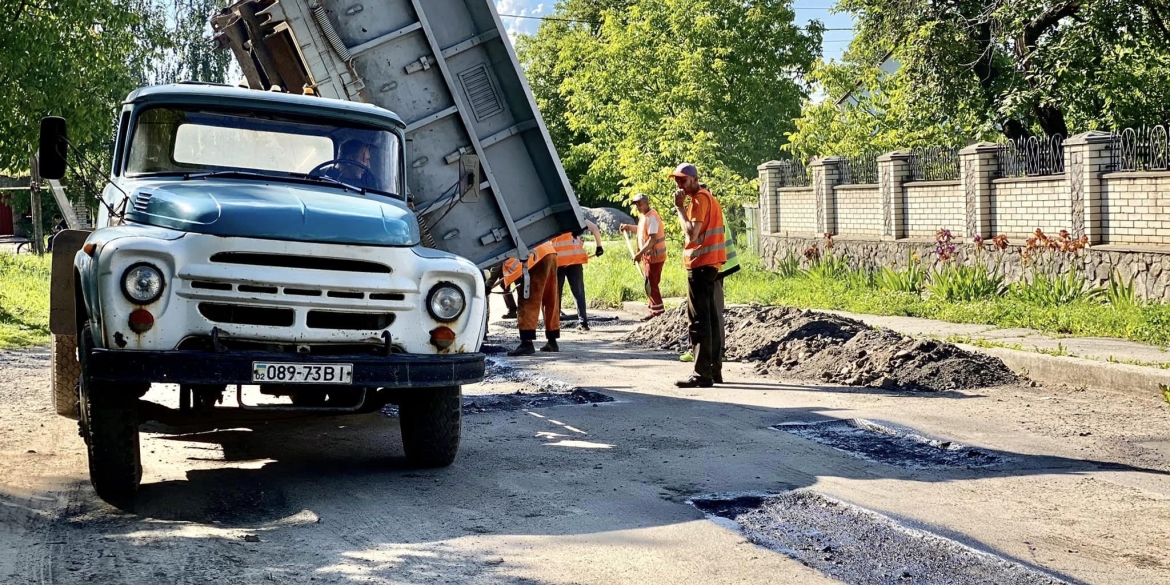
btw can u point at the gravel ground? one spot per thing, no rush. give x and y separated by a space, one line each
593 493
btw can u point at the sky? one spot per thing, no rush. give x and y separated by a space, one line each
835 41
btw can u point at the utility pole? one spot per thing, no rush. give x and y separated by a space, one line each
34 199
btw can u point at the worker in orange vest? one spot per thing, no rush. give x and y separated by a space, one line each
571 261
704 252
651 250
542 294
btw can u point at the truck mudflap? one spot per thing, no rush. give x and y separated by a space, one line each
401 370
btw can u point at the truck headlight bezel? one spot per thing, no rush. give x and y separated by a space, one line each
131 271
443 314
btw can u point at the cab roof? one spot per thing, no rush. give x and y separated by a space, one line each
205 94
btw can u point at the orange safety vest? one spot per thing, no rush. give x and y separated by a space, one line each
570 250
513 270
710 247
657 254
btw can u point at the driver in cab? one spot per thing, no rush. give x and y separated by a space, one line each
353 165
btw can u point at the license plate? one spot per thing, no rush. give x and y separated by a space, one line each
285 373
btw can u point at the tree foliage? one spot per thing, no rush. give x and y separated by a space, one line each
79 59
645 84
979 69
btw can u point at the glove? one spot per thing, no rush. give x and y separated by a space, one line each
599 252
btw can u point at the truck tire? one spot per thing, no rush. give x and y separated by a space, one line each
64 374
109 424
431 421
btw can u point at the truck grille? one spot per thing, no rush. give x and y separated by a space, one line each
348 321
304 262
298 292
247 315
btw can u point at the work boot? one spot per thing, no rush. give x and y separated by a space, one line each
551 347
717 377
583 326
525 348
509 316
647 317
695 381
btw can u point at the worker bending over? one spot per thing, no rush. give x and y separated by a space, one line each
651 250
571 261
542 295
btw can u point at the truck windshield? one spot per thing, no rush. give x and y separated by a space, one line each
172 141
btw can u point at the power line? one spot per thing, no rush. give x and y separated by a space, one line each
560 19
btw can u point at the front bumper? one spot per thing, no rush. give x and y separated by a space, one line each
400 370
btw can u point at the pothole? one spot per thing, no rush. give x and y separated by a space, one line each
532 391
861 547
890 445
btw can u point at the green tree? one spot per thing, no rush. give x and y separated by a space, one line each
993 68
646 84
71 58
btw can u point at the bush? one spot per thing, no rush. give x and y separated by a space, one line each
955 282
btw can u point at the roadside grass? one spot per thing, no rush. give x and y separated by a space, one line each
613 278
24 300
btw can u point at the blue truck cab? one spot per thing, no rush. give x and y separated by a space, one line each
257 250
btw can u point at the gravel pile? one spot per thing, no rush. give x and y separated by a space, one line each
834 350
608 219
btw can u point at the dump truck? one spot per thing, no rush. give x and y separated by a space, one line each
321 242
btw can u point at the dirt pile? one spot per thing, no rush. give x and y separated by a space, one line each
835 350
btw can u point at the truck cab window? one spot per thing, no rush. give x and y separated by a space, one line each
169 141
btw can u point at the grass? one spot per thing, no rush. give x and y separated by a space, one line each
24 300
613 278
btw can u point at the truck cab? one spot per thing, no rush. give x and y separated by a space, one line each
260 239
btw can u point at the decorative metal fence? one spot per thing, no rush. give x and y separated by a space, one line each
1032 157
859 170
935 163
794 173
1140 149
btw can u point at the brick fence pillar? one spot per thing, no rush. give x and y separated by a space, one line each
1086 158
978 166
893 173
770 196
826 174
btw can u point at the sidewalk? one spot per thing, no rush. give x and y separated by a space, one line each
1092 362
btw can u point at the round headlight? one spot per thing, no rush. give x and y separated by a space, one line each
142 284
446 302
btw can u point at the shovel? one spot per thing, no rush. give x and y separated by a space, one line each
645 278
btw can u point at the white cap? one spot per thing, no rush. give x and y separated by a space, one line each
639 197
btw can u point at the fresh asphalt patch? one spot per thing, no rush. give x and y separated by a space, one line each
861 547
891 445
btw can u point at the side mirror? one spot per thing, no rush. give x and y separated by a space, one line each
52 147
469 178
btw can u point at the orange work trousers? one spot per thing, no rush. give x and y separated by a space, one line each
542 293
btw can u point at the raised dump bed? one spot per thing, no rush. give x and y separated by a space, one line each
447 68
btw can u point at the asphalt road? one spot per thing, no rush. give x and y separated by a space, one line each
1076 489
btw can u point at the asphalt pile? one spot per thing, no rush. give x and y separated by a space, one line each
808 345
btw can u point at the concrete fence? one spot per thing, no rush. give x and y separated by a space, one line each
1125 215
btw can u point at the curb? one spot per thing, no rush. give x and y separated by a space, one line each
1049 369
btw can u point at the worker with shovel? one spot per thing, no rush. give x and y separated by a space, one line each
651 254
704 252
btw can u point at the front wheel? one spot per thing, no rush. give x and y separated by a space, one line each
109 423
64 372
431 420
